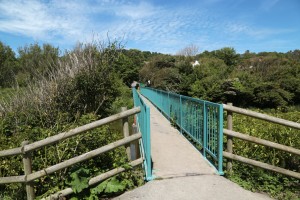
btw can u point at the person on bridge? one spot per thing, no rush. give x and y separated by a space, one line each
137 86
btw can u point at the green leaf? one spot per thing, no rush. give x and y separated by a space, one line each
93 197
127 166
114 185
100 188
79 180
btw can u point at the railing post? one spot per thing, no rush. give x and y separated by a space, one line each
126 132
27 170
204 130
229 139
180 115
134 146
169 108
220 139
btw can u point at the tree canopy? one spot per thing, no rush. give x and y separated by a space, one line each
265 80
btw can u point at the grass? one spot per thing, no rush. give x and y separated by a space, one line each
5 93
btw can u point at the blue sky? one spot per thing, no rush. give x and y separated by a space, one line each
154 25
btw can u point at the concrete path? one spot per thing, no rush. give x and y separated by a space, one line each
180 170
172 155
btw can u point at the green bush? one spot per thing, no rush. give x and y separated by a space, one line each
82 88
256 179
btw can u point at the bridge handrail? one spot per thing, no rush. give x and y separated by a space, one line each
232 134
185 112
27 148
143 119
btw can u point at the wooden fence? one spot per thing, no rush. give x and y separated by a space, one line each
26 149
232 134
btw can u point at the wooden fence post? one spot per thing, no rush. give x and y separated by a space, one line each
28 169
229 139
134 146
126 132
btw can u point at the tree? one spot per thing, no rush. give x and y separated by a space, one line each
209 77
8 66
36 60
190 50
126 69
268 95
228 55
162 73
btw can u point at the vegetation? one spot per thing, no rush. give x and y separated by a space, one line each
269 81
61 93
263 80
44 92
259 180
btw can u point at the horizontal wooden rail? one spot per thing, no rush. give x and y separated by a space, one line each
75 131
12 179
65 135
96 179
67 163
261 116
232 134
261 165
82 157
261 141
11 152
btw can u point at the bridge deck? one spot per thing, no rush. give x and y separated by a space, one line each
172 155
180 170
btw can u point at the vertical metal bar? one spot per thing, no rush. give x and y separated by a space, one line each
204 130
220 139
197 123
215 131
188 118
169 110
229 139
180 114
208 126
200 123
160 102
211 128
27 170
183 114
194 120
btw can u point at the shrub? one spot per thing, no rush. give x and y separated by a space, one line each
256 179
81 88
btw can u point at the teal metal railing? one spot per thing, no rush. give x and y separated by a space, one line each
201 120
143 122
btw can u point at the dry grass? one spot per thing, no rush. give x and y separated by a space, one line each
40 94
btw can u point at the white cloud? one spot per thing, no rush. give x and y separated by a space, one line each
152 27
37 20
141 10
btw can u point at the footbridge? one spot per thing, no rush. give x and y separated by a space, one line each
184 156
